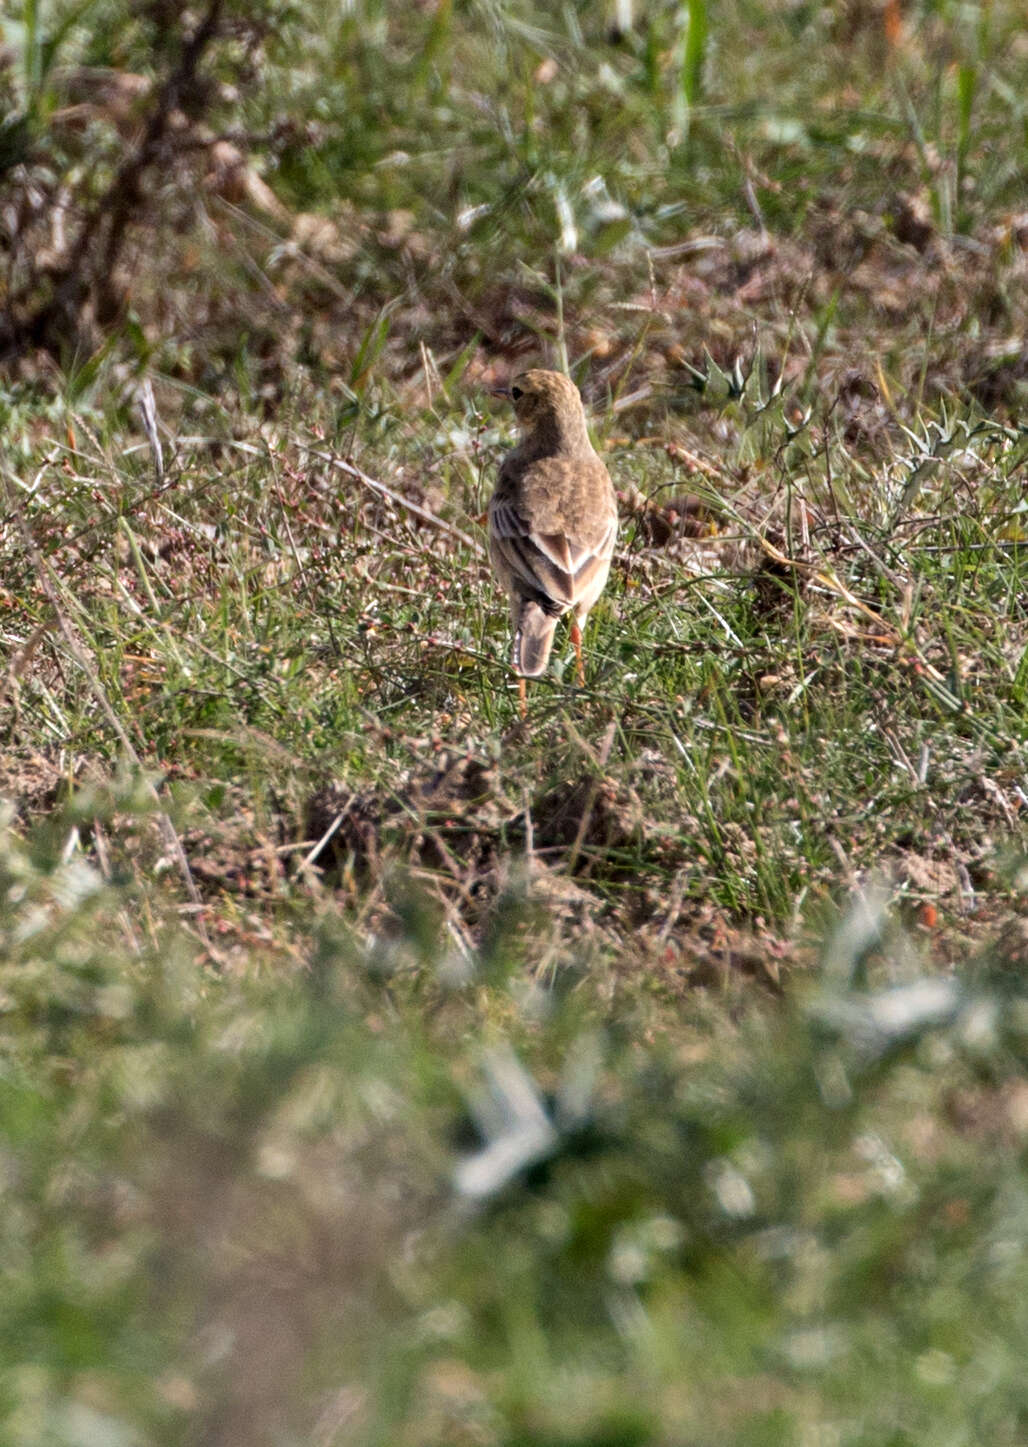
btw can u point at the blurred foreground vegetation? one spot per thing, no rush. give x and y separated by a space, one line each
374 1069
346 1205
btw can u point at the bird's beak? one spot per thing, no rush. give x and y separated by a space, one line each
502 392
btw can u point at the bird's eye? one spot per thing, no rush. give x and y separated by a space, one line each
516 393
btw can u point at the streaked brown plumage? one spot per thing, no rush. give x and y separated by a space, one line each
552 519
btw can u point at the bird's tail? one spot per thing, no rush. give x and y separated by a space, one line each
533 639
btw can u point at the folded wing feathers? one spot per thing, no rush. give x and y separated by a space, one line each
557 548
533 572
549 563
504 521
590 569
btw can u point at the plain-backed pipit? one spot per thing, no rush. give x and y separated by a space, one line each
552 520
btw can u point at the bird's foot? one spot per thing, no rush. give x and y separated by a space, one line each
576 643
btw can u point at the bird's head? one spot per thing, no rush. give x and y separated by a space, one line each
545 402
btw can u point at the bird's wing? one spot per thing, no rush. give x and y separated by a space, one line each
540 563
590 562
552 565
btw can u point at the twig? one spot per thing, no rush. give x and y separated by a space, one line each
394 497
310 857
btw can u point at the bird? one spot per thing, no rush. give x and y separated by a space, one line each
552 520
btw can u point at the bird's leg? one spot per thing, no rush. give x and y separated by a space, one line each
522 696
576 644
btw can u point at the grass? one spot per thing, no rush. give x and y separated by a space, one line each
763 708
376 1069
